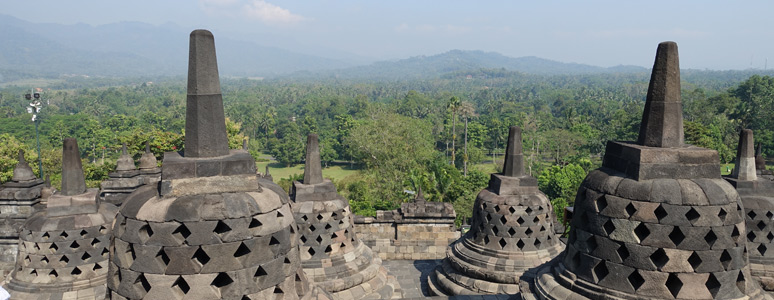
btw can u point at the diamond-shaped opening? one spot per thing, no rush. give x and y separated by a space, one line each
641 231
64 259
33 272
713 285
674 284
85 256
96 267
694 260
770 236
305 218
201 256
163 256
312 228
630 209
751 236
542 228
53 274
537 243
254 223
273 241
762 249
182 231
37 248
319 217
601 271
608 227
741 282
511 231
145 232
528 231
660 212
221 280
486 239
623 252
503 220
46 235
328 249
725 259
103 229
222 227
278 290
511 209
735 234
497 208
488 218
591 244
311 251
722 214
495 230
769 215
752 214
303 239
528 210
143 282
328 226
676 236
44 260
53 248
520 221
761 225
279 214
293 228
76 271
74 245
536 219
84 233
242 250
483 205
520 244
659 258
64 235
181 285
601 204
334 235
692 215
502 243
319 239
287 260
130 250
260 272
94 242
105 252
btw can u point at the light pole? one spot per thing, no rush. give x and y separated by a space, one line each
34 109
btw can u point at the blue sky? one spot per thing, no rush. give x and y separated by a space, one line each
710 34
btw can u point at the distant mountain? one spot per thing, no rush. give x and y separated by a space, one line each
134 49
459 60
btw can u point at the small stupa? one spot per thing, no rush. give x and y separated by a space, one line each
331 253
149 168
123 181
656 221
63 250
511 233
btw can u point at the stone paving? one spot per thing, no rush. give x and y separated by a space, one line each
412 276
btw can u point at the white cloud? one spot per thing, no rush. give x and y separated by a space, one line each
259 10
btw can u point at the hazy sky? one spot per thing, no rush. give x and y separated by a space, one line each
710 34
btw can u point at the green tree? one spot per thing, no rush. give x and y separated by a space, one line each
560 184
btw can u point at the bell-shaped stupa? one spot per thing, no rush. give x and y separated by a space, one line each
63 249
331 253
123 181
510 233
208 230
656 221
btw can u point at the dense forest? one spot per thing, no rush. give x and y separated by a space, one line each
441 134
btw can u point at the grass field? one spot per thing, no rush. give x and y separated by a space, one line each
279 171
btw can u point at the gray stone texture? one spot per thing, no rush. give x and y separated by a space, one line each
210 229
511 233
23 171
73 182
744 163
331 253
205 122
123 181
662 122
63 249
663 233
125 162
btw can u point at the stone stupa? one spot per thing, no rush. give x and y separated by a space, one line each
656 221
63 249
18 199
208 230
760 165
758 201
511 233
123 181
331 253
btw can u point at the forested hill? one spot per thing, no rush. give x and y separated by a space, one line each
428 67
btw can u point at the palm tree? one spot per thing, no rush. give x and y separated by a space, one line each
467 111
453 106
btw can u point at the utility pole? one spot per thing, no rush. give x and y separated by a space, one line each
34 109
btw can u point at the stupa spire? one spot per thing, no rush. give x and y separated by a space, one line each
514 159
312 166
73 182
662 121
23 171
744 168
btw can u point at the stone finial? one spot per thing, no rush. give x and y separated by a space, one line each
267 174
148 160
312 166
48 180
760 162
125 162
514 159
662 120
420 197
23 171
244 144
73 182
744 168
205 122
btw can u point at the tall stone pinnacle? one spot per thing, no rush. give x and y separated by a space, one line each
205 122
514 159
662 121
125 162
420 197
312 167
23 171
744 168
73 182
